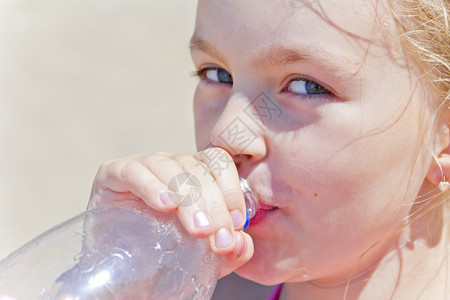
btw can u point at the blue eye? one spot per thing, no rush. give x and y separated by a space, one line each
216 75
306 87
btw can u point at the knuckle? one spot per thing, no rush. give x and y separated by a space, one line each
149 188
232 193
215 152
108 170
127 169
188 162
225 154
184 158
203 165
156 162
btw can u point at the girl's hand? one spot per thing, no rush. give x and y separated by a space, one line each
207 200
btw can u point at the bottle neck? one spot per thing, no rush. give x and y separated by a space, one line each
251 201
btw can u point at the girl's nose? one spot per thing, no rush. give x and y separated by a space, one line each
240 130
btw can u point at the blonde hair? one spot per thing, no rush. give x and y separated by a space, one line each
424 31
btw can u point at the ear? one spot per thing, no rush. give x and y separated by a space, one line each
440 166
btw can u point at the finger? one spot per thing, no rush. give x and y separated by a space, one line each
224 172
208 206
241 254
180 174
130 176
101 196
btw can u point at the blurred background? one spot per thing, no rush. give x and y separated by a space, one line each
82 82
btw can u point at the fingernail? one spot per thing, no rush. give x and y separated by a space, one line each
166 199
240 241
237 217
201 219
223 238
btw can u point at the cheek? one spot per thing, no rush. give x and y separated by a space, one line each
205 117
338 155
201 135
347 179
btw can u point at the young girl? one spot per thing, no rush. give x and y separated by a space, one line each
336 113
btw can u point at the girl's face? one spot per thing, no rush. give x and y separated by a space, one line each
323 118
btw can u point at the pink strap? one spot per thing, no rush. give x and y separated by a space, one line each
276 293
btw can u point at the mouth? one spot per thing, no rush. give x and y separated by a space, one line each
263 205
262 214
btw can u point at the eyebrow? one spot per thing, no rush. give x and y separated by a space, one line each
197 43
282 56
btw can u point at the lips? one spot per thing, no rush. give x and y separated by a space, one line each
261 214
264 207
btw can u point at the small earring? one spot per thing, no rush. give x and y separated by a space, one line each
443 185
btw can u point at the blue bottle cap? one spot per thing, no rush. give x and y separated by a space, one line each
247 220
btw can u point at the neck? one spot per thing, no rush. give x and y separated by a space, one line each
416 266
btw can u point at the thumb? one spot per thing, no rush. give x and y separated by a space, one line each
241 254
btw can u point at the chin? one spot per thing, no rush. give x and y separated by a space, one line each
258 278
258 272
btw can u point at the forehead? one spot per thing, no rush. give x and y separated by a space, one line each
349 26
342 14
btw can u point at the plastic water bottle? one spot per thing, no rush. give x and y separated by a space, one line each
123 250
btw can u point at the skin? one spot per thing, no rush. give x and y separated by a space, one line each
335 171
